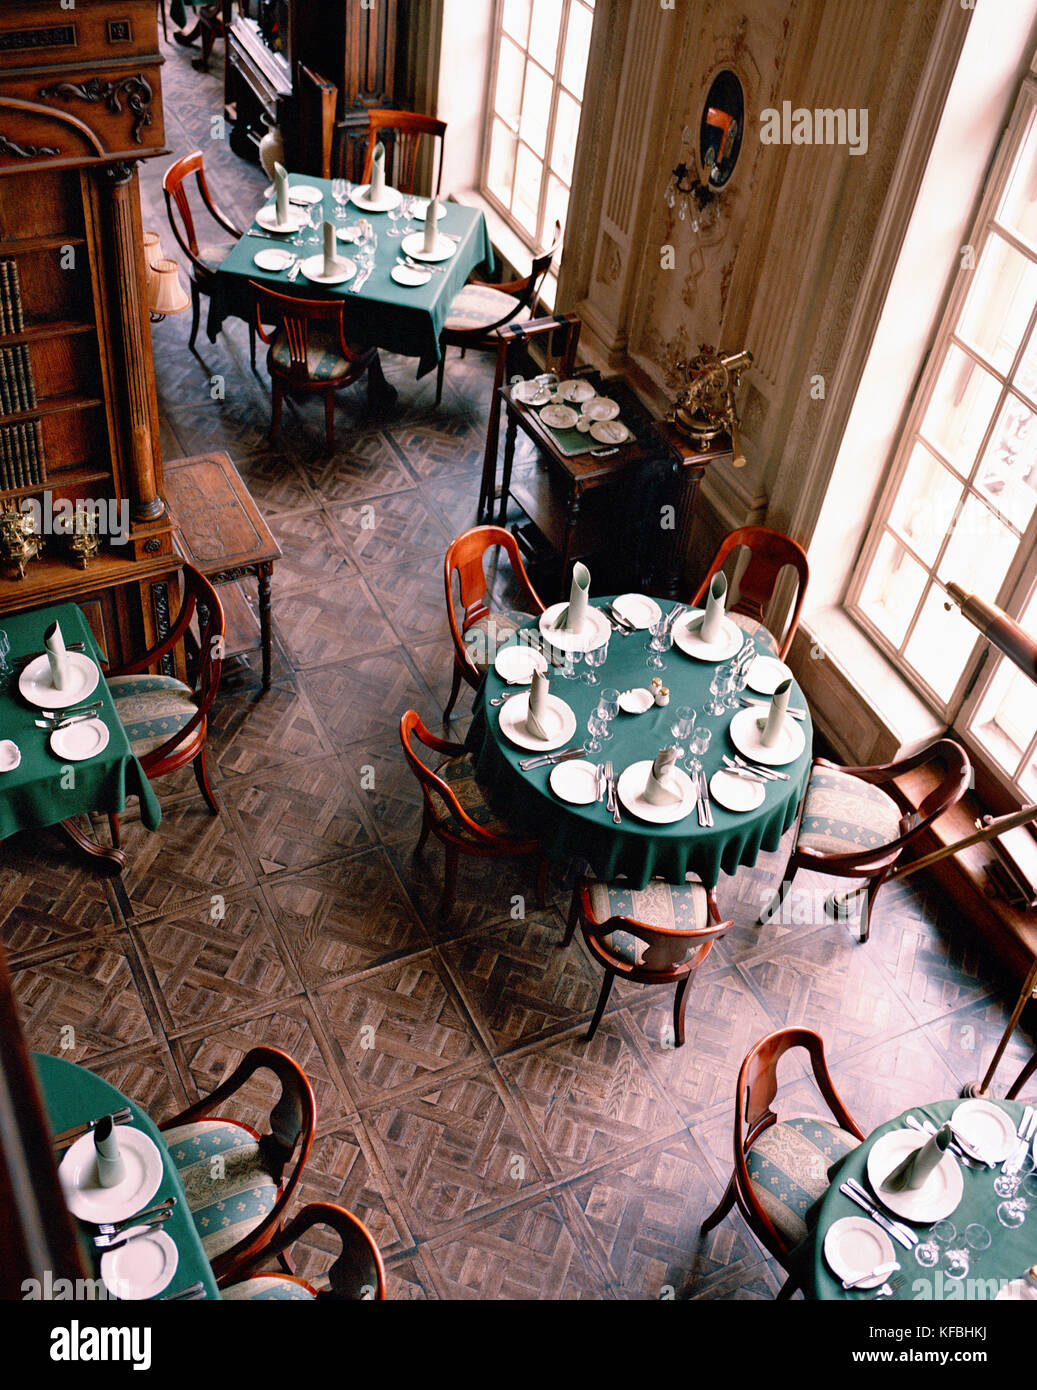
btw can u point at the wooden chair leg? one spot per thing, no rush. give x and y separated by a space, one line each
201 776
329 420
276 399
574 918
868 906
113 826
196 313
787 1289
781 893
603 999
440 372
455 690
541 881
165 27
426 826
252 343
722 1209
446 902
679 1000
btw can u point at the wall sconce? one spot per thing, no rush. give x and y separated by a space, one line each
166 295
719 144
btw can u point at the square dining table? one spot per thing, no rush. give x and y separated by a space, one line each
45 789
402 319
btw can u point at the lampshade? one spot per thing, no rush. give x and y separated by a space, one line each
152 243
167 296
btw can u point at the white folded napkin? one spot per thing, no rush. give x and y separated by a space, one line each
770 727
709 630
538 693
575 616
431 226
281 193
660 789
57 656
330 259
376 191
918 1166
110 1166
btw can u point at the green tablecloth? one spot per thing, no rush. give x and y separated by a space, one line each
43 789
1011 1252
635 850
399 318
73 1095
177 12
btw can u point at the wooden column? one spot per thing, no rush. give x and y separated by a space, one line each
131 347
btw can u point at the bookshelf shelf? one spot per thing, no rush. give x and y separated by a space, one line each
41 332
53 405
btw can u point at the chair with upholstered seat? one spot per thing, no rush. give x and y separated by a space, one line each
481 632
204 260
456 812
770 554
165 719
357 1274
308 352
781 1166
401 134
655 935
478 310
233 1177
855 822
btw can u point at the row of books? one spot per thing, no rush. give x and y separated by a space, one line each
11 320
21 455
17 388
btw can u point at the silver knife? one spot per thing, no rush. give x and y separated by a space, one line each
64 723
527 763
599 782
293 274
69 1136
875 1215
905 1231
705 798
617 620
112 1228
269 236
146 1227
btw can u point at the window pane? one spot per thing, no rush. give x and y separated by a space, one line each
941 643
577 49
1019 206
1025 379
543 33
895 584
1008 472
557 207
1000 302
964 398
528 173
536 109
1006 720
502 162
925 505
563 147
508 100
516 19
979 552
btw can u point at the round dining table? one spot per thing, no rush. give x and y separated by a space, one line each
635 849
1011 1252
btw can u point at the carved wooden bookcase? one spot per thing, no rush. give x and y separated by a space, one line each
80 104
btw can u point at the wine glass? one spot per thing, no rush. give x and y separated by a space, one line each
570 661
661 641
739 680
975 1239
597 729
719 687
1012 1212
607 709
1008 1184
929 1252
314 220
407 206
684 719
698 743
5 651
395 214
592 659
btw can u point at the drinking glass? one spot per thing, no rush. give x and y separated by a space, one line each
596 728
928 1252
719 687
698 743
1012 1212
408 211
684 719
592 659
661 641
315 221
1008 1184
739 680
5 666
570 662
607 709
394 217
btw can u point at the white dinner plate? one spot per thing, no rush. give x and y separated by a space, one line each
273 259
391 197
575 782
638 609
600 408
86 1199
637 701
404 275
766 673
737 794
559 417
531 393
986 1128
938 1196
686 636
516 664
142 1268
596 629
560 721
610 432
854 1246
304 194
419 208
267 217
79 741
630 787
10 755
576 391
414 245
34 682
313 269
745 735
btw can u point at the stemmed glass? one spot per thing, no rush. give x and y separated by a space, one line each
570 661
928 1252
314 220
661 641
407 206
608 708
395 213
597 728
340 191
739 680
592 659
684 719
698 743
1018 1189
976 1239
720 688
5 651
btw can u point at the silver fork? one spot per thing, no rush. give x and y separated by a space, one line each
1027 1125
704 793
891 1287
612 803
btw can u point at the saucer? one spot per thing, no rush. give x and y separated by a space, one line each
414 245
686 637
577 391
610 432
313 269
600 408
630 787
513 723
638 701
559 417
90 1202
745 735
34 682
938 1196
80 741
10 755
737 794
531 393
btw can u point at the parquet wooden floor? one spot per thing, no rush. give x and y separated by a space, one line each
491 1152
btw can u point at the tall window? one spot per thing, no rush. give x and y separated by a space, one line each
961 504
540 61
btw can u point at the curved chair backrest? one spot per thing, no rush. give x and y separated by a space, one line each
356 1275
434 787
770 552
465 558
293 317
667 953
173 181
407 129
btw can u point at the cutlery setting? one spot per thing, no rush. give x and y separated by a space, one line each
111 1228
136 1228
896 1229
1025 1134
69 1136
545 759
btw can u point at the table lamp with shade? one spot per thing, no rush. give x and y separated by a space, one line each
166 295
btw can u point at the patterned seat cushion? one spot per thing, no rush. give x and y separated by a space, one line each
484 638
788 1168
671 906
756 628
269 1286
324 360
227 1187
843 814
459 775
152 708
214 256
480 306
